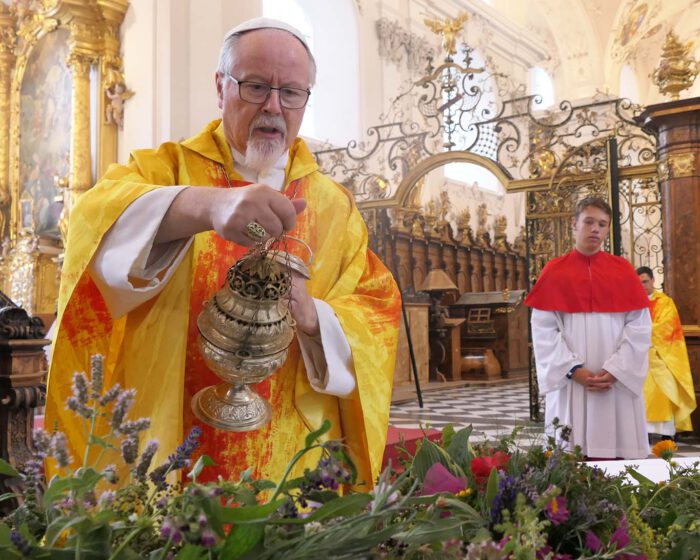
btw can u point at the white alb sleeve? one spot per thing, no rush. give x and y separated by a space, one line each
328 358
127 268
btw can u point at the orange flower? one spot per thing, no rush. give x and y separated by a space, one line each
664 449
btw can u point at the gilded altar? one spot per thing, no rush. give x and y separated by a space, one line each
61 101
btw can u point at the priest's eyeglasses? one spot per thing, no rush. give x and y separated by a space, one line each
255 92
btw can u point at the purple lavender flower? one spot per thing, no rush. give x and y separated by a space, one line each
178 460
90 499
333 446
110 474
42 444
145 460
504 498
33 474
110 395
106 499
21 544
134 426
215 492
208 538
74 405
593 542
130 449
183 453
121 407
80 387
59 448
556 511
97 375
169 531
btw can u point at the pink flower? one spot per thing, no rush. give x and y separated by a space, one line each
556 510
620 538
438 479
593 542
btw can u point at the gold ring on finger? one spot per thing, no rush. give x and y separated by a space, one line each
255 232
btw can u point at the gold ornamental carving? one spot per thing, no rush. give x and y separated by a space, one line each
448 29
681 165
677 68
663 171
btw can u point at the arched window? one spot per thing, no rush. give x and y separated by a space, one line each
629 88
473 175
330 29
541 84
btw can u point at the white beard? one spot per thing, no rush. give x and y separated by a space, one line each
261 153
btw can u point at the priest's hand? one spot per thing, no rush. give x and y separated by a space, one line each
231 213
603 381
302 307
582 375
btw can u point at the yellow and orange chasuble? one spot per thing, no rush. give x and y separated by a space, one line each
154 347
668 388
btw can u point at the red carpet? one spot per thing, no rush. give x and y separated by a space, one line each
410 437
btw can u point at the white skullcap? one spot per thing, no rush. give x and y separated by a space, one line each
267 23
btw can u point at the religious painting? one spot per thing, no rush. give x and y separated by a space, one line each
632 23
45 126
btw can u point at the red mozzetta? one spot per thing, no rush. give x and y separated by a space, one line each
576 283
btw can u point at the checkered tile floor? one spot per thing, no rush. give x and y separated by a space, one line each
492 411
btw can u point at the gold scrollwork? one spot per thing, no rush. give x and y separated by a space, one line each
682 165
663 170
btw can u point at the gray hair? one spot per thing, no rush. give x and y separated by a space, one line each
227 56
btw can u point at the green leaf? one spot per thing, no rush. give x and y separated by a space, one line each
203 461
85 480
448 433
4 535
8 470
345 506
429 454
101 442
430 531
246 514
313 436
99 540
687 549
643 480
56 529
242 539
458 448
8 496
492 487
192 552
351 465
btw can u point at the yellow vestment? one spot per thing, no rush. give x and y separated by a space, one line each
153 349
668 389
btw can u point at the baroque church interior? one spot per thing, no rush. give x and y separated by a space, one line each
466 130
